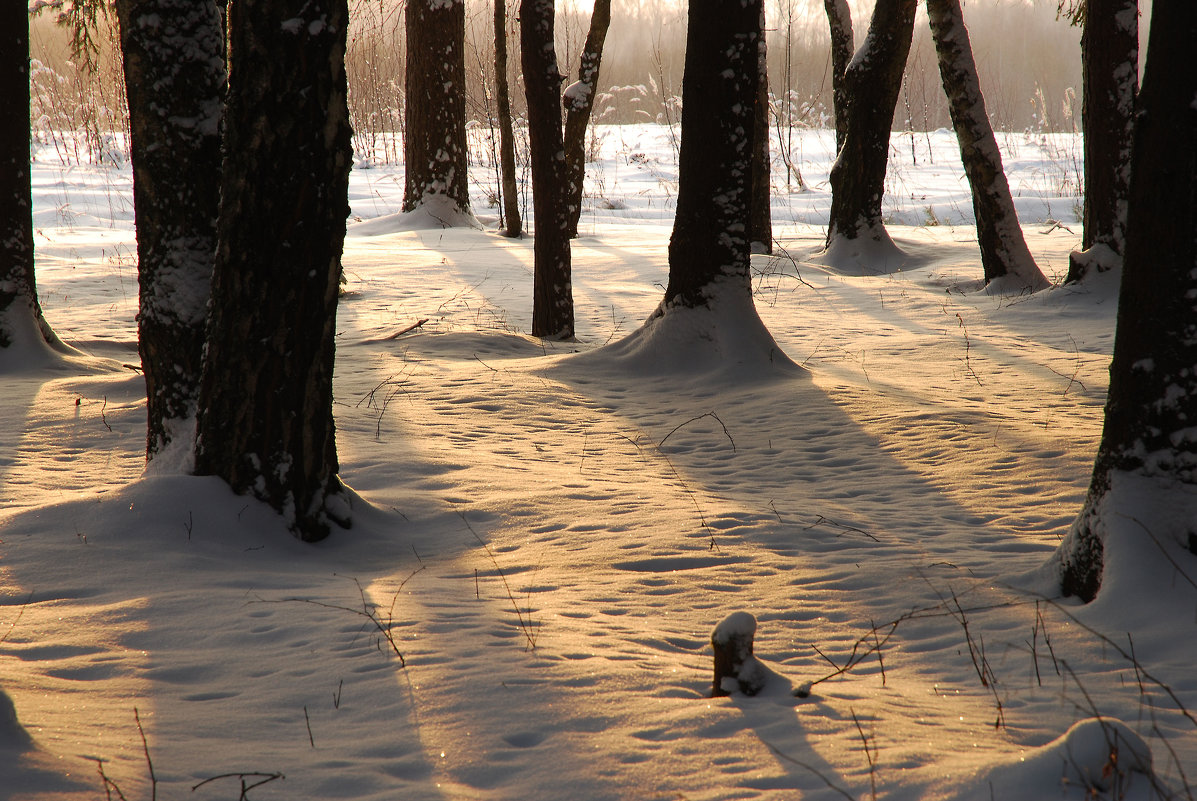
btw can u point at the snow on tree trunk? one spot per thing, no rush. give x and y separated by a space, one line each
872 82
552 294
434 144
579 102
21 320
513 225
1151 410
1004 252
174 66
1110 68
710 229
265 407
760 225
839 19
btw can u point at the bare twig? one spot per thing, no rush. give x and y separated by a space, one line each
699 417
145 746
526 625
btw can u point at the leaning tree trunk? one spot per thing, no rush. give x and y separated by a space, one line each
579 102
839 19
710 229
871 85
552 293
434 143
265 406
760 225
513 225
1149 409
1004 251
174 65
21 319
1110 70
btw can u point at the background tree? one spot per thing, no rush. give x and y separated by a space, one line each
579 102
434 143
1110 78
21 319
1004 251
552 294
839 19
174 65
265 405
871 85
709 243
1148 432
760 223
513 225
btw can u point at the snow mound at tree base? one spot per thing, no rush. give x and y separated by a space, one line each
873 253
726 339
435 213
1096 758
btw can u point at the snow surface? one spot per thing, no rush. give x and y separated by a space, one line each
546 533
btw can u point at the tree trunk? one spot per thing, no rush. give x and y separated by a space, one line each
839 18
21 320
265 405
871 85
579 102
552 295
760 225
1004 252
1110 69
434 144
513 225
1149 409
174 66
710 229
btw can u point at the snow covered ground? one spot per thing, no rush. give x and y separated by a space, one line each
546 534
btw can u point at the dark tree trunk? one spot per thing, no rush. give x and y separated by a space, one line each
871 85
760 225
265 406
710 229
434 144
174 66
552 294
1110 69
1149 410
579 102
1004 252
513 225
839 19
21 317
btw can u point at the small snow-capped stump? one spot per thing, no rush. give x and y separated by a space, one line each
736 669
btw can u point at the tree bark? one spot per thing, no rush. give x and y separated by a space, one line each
839 19
1004 252
174 64
871 85
1149 409
21 318
265 406
579 103
760 226
434 145
1110 74
710 229
513 225
552 296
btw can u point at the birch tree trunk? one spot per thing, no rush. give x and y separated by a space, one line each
552 294
1110 69
839 19
434 143
1148 433
760 225
579 103
513 224
265 406
1004 252
174 65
